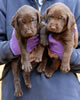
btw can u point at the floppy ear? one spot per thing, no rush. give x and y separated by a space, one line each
71 21
46 13
13 21
39 18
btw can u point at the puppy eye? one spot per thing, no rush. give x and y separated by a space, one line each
62 18
50 17
23 21
20 21
32 19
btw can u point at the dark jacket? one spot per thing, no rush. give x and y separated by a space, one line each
60 86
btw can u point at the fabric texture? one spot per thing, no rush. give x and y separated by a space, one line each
59 87
31 44
55 46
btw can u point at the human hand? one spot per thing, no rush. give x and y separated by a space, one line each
32 42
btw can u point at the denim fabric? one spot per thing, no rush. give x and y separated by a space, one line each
59 87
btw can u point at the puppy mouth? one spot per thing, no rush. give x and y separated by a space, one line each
54 29
26 35
57 32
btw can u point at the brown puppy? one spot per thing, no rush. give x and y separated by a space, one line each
61 24
26 23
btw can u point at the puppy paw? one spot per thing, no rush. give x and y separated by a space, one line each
65 68
41 68
36 55
28 83
26 66
18 92
37 58
26 77
48 73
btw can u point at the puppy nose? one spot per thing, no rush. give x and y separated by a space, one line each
53 27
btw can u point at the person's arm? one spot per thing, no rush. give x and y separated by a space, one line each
5 52
75 58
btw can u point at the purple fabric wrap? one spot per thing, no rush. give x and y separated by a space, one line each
55 46
32 42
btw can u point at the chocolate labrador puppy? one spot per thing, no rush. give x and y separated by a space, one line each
27 23
60 23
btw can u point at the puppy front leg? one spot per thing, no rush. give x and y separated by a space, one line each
65 65
26 65
39 50
42 65
44 36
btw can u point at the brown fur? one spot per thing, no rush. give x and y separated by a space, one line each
25 22
16 68
61 23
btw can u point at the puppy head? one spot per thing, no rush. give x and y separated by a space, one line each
26 21
58 18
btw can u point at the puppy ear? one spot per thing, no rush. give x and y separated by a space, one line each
45 16
13 21
71 20
39 18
